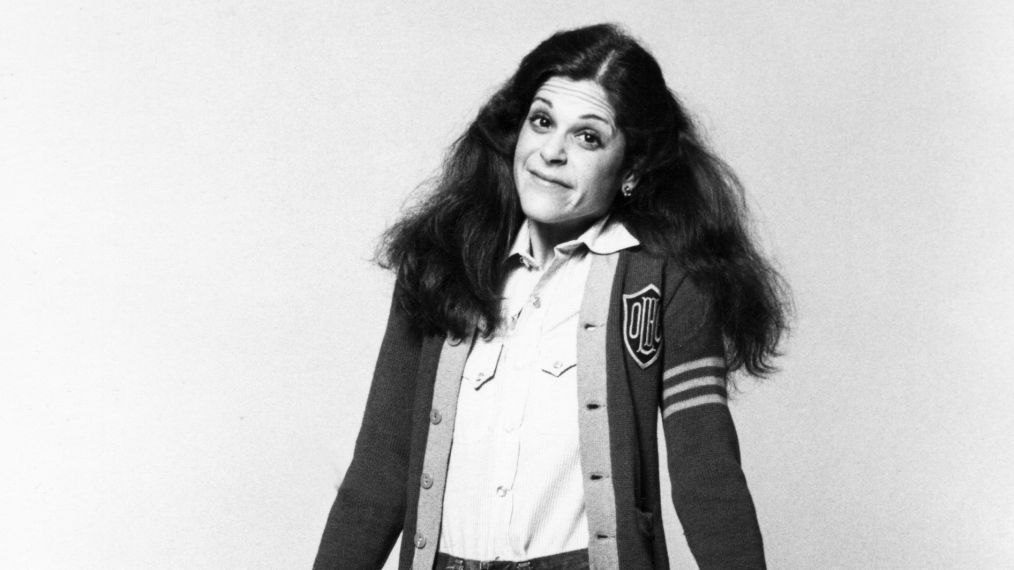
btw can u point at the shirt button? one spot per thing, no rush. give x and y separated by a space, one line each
557 365
501 491
453 340
435 416
536 301
508 429
420 541
426 481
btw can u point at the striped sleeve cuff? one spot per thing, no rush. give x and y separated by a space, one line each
691 384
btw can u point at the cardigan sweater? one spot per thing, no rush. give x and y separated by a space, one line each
647 341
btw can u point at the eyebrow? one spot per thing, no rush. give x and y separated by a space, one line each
585 116
543 99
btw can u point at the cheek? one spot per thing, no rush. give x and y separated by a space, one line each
522 149
600 179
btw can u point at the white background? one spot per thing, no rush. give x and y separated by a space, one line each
190 193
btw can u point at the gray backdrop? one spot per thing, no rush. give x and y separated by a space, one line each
190 192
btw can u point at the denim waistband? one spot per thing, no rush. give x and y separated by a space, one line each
573 560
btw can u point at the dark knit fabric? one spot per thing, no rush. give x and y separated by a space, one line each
369 512
709 489
378 497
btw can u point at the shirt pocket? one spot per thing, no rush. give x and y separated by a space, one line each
478 397
552 403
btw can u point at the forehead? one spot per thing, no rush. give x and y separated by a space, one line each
585 94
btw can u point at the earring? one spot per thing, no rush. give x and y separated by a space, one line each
627 190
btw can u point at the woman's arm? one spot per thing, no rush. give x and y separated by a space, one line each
369 512
708 486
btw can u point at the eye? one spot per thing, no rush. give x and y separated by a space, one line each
589 139
540 122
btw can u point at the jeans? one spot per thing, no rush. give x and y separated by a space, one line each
574 560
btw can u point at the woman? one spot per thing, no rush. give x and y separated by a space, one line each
581 264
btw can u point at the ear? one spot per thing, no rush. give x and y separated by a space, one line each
632 178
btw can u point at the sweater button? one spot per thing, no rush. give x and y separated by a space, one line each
435 416
420 541
426 481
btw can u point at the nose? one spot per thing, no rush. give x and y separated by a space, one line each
553 150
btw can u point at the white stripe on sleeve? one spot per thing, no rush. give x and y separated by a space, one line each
693 402
710 361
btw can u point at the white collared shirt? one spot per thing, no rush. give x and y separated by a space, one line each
514 484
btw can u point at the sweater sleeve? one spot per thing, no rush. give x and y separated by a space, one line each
368 513
708 486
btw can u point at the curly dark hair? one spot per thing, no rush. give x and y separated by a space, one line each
447 251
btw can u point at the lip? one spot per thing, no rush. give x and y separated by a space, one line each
548 179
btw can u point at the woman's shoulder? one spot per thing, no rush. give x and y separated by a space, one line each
673 273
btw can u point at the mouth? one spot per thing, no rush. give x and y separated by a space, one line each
548 180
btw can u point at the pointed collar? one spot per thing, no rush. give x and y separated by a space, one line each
604 237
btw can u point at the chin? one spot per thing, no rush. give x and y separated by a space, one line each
544 205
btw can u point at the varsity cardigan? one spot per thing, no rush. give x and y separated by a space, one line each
647 341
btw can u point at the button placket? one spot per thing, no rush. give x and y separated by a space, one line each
513 405
519 347
504 469
507 440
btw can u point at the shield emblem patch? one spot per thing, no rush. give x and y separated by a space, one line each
642 325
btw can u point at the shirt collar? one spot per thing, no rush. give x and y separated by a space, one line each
605 236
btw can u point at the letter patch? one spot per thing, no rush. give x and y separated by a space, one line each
642 325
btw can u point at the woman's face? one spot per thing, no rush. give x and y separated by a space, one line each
569 154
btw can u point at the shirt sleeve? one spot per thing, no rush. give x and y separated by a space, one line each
708 486
368 513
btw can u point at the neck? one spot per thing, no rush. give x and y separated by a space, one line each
545 237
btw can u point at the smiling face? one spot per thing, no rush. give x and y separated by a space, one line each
568 158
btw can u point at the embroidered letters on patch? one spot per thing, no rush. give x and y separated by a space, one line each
642 325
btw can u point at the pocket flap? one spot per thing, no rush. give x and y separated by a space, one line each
557 365
481 364
559 353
